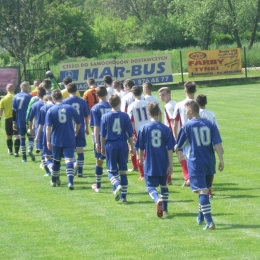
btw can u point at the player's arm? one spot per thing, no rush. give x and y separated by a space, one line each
170 168
38 133
14 120
131 142
175 123
220 151
48 137
77 129
141 154
96 138
86 125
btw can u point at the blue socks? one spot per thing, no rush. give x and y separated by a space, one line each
153 193
80 163
99 172
124 183
165 196
205 207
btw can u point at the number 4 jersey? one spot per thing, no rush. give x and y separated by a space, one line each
198 136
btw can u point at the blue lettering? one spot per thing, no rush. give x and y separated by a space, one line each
120 71
161 67
91 74
136 70
146 72
106 71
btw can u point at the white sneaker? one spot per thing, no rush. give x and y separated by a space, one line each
117 192
94 187
70 186
53 184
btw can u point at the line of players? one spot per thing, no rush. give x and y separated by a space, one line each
54 125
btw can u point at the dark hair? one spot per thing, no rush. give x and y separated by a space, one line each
47 98
190 87
114 100
72 88
148 85
108 80
202 100
153 109
101 91
137 91
67 80
129 83
194 106
41 92
56 95
91 81
116 84
46 83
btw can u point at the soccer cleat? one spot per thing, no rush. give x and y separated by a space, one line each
211 196
200 221
117 192
24 160
80 175
186 183
165 213
94 187
123 200
41 166
9 152
210 226
37 151
132 170
53 184
70 186
47 174
32 156
159 210
140 178
16 155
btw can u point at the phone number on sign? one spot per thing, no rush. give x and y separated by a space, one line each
154 80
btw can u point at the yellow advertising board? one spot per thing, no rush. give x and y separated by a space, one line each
214 62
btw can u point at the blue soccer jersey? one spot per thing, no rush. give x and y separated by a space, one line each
97 111
35 112
116 125
156 139
198 136
20 105
82 108
60 117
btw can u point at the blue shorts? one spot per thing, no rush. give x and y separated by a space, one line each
22 131
200 182
67 151
155 181
81 142
116 155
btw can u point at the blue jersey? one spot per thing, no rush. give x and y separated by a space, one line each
156 139
116 126
198 136
82 108
20 105
60 117
97 111
35 112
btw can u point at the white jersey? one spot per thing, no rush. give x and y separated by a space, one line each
110 91
138 114
126 100
204 113
120 93
154 99
168 113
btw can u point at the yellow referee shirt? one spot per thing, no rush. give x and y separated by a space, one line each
6 105
65 93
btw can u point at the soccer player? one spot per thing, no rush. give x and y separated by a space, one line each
6 107
101 108
205 113
64 92
108 84
138 114
20 104
117 88
180 118
36 84
157 141
60 135
115 130
82 108
165 95
200 137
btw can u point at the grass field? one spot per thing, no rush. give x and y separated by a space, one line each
41 222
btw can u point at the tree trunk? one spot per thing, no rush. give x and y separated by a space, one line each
252 39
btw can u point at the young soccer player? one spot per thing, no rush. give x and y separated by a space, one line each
200 137
205 113
60 135
157 141
6 108
64 92
115 130
82 108
20 104
117 88
138 114
36 85
101 108
165 95
108 84
180 118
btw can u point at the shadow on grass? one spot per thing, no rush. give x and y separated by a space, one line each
234 196
236 226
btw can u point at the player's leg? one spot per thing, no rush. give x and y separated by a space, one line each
164 193
30 146
140 167
16 144
22 132
68 156
184 168
209 185
122 156
134 163
80 144
9 135
54 165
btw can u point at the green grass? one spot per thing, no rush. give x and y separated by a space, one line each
41 222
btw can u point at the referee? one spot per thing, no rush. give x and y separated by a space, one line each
6 107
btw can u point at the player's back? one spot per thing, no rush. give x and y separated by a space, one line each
90 96
97 111
35 112
6 105
126 101
138 114
205 113
179 113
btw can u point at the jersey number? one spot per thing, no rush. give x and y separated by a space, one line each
156 138
76 106
116 126
62 115
202 135
142 114
21 100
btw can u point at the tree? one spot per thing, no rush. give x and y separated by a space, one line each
255 24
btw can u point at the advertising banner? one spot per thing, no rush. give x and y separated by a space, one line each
9 75
155 69
214 62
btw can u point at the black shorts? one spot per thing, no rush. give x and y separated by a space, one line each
9 127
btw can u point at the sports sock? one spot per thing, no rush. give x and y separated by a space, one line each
44 164
54 170
165 196
153 193
70 172
9 143
134 162
124 183
16 145
113 177
99 172
80 163
140 169
184 168
23 148
200 214
31 143
205 207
